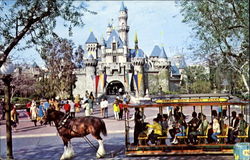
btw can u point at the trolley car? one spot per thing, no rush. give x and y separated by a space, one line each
203 103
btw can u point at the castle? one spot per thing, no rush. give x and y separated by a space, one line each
110 65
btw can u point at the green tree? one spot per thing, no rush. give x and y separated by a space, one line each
60 61
196 80
222 28
34 22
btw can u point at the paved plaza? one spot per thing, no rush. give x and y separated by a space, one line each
42 142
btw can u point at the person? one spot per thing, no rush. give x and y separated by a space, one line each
56 104
67 107
203 126
91 102
157 130
2 106
164 124
28 105
104 107
121 109
46 105
224 111
14 117
233 125
138 120
242 125
120 91
72 109
216 130
87 93
179 131
193 125
40 113
33 111
116 109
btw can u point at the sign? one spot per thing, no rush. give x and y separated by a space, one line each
191 100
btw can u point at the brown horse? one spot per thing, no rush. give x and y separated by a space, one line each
76 127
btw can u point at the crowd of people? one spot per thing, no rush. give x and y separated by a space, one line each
197 126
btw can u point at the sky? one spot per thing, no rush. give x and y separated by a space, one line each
155 22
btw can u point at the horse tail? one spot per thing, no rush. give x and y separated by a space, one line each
103 128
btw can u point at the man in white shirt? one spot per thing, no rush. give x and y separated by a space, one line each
104 108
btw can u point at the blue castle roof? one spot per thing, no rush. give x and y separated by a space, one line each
163 53
123 8
92 38
114 37
175 70
156 51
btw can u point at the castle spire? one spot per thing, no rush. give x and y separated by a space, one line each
136 41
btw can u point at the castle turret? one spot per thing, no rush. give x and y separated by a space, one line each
123 27
92 45
90 71
109 30
163 66
138 61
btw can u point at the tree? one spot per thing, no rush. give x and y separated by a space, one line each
60 61
34 21
222 28
195 80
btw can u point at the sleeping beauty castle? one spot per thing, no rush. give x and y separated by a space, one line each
111 65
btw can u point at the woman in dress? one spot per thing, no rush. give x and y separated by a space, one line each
33 111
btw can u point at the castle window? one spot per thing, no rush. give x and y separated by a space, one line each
114 59
113 46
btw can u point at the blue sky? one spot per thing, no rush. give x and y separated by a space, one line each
156 23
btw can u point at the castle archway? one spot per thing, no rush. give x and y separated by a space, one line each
113 87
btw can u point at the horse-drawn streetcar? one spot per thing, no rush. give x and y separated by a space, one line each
190 138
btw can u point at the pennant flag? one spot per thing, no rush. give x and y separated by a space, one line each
96 82
139 80
101 79
129 78
136 81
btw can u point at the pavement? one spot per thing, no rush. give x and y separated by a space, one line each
42 142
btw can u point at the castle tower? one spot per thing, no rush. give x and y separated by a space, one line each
123 27
109 30
90 70
92 45
163 65
138 61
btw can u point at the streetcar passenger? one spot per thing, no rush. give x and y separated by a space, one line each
242 125
216 130
180 128
232 132
193 126
203 126
157 130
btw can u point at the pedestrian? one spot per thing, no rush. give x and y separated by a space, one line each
46 105
104 107
91 102
33 111
28 105
56 104
116 109
2 106
72 109
121 109
67 107
14 117
40 113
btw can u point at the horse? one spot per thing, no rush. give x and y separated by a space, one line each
68 128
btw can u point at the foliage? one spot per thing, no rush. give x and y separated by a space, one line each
60 61
34 21
196 80
222 28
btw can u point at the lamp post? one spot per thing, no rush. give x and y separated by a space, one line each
6 70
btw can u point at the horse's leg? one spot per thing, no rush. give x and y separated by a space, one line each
101 151
68 149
